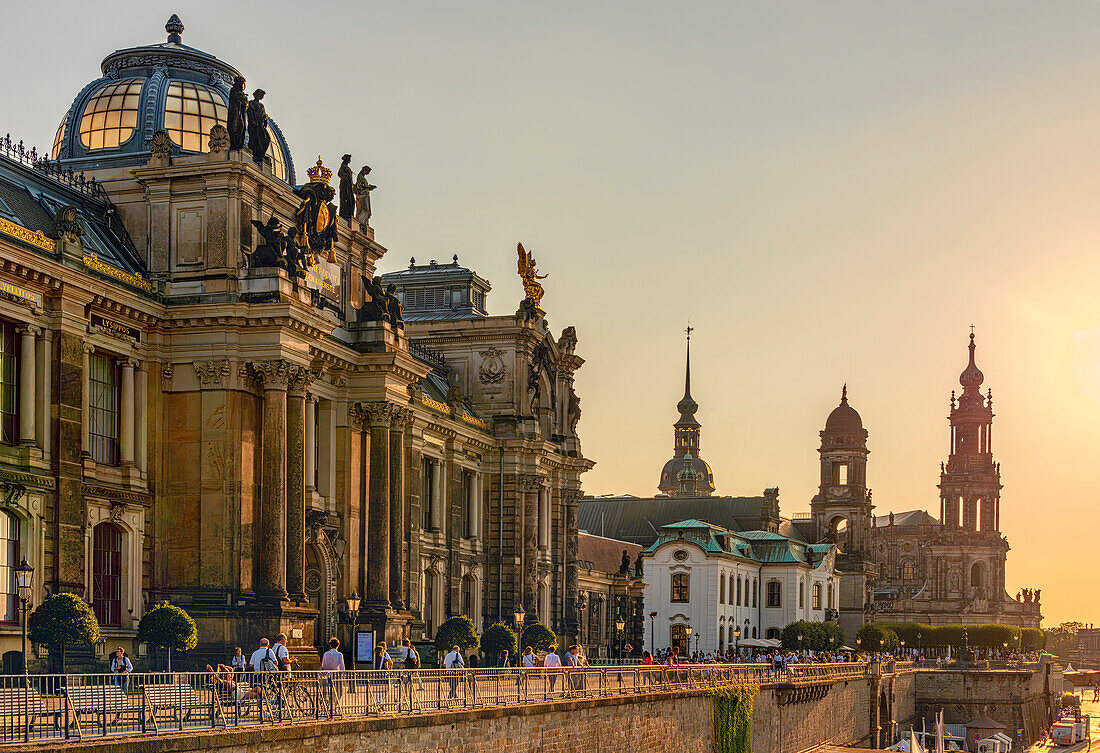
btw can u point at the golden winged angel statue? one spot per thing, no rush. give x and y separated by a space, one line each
530 276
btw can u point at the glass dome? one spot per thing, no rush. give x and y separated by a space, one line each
169 87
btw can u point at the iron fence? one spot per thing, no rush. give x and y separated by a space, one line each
41 708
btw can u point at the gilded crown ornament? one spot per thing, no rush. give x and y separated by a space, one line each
319 173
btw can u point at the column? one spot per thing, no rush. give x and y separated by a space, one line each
326 449
397 504
296 483
126 414
141 425
437 495
271 531
45 393
569 499
378 504
476 509
544 519
530 485
27 404
311 443
85 401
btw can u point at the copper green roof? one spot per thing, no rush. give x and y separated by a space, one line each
759 546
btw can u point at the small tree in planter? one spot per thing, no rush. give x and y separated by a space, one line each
62 619
538 637
457 631
497 638
168 626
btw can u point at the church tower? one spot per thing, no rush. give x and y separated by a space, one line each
841 510
686 448
970 483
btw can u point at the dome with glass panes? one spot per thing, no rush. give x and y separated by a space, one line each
167 86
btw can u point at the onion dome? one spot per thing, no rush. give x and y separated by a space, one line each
161 87
844 417
971 377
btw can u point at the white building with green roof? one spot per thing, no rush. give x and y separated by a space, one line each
733 588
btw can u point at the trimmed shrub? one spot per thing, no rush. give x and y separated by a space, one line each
168 626
497 638
457 631
815 636
537 636
876 636
62 619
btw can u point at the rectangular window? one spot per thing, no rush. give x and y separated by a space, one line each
842 474
722 590
754 592
681 592
774 594
103 409
738 590
9 558
107 574
9 384
426 493
816 598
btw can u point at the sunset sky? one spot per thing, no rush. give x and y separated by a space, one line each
829 192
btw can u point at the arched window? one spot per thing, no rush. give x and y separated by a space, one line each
773 634
732 639
774 594
9 558
111 114
721 637
738 590
801 594
977 573
754 592
754 632
107 574
681 591
829 591
908 570
468 586
815 595
722 590
678 638
731 589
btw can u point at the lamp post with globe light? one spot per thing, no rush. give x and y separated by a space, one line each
619 625
652 644
736 638
687 632
23 585
353 617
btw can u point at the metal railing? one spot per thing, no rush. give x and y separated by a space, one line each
75 707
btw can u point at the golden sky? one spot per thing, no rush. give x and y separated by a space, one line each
830 192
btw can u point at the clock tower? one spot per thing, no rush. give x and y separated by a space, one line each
841 510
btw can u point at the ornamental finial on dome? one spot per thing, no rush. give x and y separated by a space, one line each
972 377
174 27
844 394
319 173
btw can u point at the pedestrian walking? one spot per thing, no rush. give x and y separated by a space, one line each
238 663
553 661
121 668
282 653
453 661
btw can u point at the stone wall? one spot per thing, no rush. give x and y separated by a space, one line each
1018 700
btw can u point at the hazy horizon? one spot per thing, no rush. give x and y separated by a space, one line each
830 193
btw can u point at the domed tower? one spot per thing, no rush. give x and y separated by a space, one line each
166 87
970 483
686 451
841 510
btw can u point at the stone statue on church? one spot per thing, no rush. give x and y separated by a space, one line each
380 304
272 251
573 410
258 139
624 564
638 566
347 195
362 191
236 122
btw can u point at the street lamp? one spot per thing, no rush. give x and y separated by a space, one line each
519 616
353 618
652 644
736 637
902 644
23 573
800 641
582 602
687 632
619 625
353 608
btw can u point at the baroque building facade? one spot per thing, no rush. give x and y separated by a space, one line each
907 566
190 412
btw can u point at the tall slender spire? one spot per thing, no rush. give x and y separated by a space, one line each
687 368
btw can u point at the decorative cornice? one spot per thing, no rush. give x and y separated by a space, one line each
212 373
33 237
529 482
91 261
123 495
27 479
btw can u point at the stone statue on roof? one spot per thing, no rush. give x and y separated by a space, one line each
237 120
347 195
362 190
258 139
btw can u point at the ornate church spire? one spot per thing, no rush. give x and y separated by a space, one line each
686 447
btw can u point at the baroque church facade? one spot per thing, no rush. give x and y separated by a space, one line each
197 406
898 567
